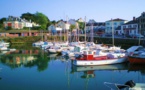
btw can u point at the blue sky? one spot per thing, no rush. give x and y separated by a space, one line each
99 10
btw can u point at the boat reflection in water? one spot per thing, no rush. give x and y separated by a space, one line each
122 66
116 73
97 74
36 70
137 67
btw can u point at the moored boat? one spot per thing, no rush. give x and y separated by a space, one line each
3 48
3 43
138 56
129 85
89 58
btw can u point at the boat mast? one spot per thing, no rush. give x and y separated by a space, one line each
112 33
85 29
139 36
92 34
66 28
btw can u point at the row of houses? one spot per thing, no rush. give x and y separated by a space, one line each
18 23
117 26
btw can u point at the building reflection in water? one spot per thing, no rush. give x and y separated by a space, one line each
27 58
20 57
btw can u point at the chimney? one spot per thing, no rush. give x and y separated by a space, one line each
134 18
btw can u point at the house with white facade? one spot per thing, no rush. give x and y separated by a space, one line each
63 24
74 22
111 25
60 27
54 29
18 23
130 28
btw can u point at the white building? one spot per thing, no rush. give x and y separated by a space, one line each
74 22
18 23
27 24
63 24
111 25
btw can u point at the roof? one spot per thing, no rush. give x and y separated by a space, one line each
117 19
131 22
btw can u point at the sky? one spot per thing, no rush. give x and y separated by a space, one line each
99 10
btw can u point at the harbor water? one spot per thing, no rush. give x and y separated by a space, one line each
35 69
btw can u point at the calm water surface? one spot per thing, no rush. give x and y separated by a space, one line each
34 69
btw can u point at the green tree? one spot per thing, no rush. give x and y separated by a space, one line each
53 22
28 16
1 23
42 20
38 18
72 27
81 25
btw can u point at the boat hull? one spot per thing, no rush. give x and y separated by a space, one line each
136 60
3 48
99 62
52 51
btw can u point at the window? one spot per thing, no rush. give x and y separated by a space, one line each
141 25
121 23
134 26
129 26
115 23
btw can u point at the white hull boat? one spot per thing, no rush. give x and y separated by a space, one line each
99 62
